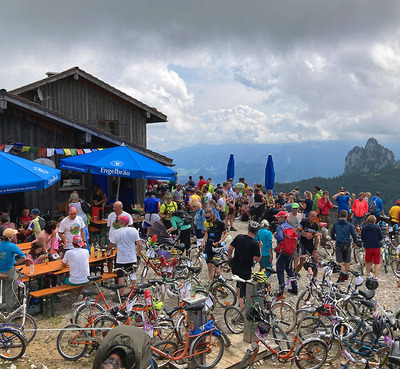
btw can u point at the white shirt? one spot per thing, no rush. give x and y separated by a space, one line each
112 222
80 213
125 238
78 261
71 228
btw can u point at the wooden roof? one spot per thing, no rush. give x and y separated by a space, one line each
67 121
154 115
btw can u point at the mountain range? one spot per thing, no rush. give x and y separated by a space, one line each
292 161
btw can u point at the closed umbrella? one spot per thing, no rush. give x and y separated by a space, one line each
230 169
20 175
118 161
269 174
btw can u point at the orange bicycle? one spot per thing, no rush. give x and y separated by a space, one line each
203 346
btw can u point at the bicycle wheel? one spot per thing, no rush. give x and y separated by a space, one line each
249 357
12 344
210 346
82 312
359 329
310 326
71 342
306 296
370 342
103 324
225 270
311 354
285 316
234 319
334 350
168 348
143 275
181 328
223 334
355 255
196 260
280 338
351 308
386 260
224 294
395 265
29 324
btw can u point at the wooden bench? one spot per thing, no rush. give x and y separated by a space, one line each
45 292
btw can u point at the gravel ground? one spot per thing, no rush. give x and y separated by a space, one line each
43 351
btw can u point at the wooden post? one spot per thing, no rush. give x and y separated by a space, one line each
248 335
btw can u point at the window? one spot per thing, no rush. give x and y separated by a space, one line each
110 126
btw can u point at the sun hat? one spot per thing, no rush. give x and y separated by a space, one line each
397 202
281 214
77 240
73 210
9 233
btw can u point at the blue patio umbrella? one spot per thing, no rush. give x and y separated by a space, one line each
19 174
118 161
269 174
230 168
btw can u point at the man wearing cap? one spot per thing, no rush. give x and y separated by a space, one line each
78 260
127 241
37 223
112 220
379 206
284 261
343 200
70 226
8 251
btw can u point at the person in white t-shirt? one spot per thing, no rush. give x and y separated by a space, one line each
112 220
127 241
72 225
78 261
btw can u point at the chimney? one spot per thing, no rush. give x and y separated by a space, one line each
50 74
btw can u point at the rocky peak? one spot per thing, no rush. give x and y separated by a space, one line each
370 159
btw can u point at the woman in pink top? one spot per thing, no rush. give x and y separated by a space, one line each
47 237
37 256
360 209
324 205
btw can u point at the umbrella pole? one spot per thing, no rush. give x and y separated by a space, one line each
118 184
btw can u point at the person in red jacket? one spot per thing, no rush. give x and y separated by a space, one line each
324 205
201 182
360 209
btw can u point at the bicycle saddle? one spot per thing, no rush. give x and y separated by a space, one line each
143 285
217 263
194 270
115 287
370 304
356 274
170 311
89 293
270 270
368 295
93 278
154 281
196 307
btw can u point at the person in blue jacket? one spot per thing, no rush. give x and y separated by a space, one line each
371 236
379 206
342 232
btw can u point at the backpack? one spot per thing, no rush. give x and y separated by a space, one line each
85 207
186 217
372 208
289 243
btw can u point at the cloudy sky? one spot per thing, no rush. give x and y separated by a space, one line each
223 70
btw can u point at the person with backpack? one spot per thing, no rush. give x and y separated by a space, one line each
342 232
37 223
308 231
182 221
286 238
375 206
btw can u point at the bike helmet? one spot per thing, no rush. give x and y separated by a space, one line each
259 277
379 325
371 283
255 315
308 264
264 327
254 227
327 310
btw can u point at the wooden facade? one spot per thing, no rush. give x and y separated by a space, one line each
73 109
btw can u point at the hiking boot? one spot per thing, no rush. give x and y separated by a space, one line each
233 229
293 291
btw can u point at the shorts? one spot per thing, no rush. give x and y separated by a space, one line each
126 266
373 255
343 254
304 249
242 288
222 215
149 219
66 281
231 211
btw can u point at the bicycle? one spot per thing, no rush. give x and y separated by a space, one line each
310 354
204 346
18 317
12 342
